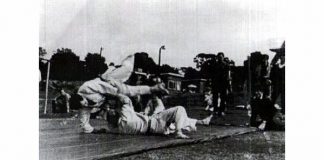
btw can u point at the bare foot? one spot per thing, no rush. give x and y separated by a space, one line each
205 121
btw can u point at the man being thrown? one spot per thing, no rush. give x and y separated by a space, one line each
94 93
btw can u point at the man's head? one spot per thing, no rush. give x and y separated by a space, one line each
77 102
226 59
220 56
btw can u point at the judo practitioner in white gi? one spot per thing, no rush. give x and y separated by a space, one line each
94 93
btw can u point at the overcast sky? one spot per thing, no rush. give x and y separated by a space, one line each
185 27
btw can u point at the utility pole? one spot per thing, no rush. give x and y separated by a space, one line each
162 47
101 50
47 82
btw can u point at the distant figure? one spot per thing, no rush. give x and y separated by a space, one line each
40 76
277 77
219 81
229 97
208 100
61 103
270 117
192 88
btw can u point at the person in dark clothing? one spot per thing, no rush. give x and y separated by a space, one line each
270 117
219 84
277 77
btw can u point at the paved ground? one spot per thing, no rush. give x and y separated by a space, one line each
252 146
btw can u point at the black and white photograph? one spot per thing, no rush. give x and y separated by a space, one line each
162 79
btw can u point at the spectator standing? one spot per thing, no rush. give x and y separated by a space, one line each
277 77
219 79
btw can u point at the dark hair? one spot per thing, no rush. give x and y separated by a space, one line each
113 118
220 53
265 57
75 101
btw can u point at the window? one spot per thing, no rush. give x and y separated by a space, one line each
171 85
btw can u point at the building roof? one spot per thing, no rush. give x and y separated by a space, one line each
173 74
190 80
140 73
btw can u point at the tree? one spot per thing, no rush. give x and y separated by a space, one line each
64 65
203 58
205 63
165 68
42 64
95 65
192 73
146 63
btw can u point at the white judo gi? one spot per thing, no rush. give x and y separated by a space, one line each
152 108
130 122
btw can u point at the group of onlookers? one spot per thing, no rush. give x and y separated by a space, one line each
266 83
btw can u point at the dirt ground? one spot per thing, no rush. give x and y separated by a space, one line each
254 146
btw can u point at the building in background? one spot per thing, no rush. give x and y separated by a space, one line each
172 81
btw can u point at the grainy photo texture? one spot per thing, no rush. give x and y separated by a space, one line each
157 79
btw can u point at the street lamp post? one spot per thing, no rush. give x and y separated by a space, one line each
47 82
162 47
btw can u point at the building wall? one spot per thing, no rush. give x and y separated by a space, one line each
173 84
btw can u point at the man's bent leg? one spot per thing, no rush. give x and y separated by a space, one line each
178 115
84 114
